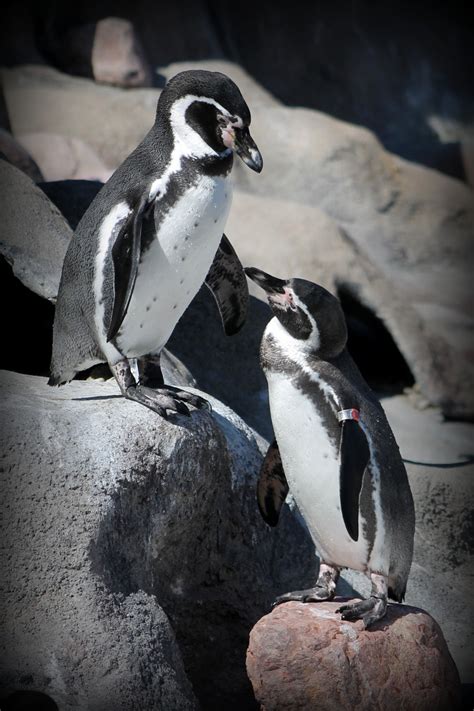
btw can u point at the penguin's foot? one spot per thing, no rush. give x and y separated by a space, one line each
160 401
325 587
319 593
369 610
189 398
372 609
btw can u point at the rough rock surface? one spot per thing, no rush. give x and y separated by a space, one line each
64 157
18 156
34 235
114 122
112 515
407 230
63 632
303 656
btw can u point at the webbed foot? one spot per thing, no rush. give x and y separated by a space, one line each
317 594
369 611
373 608
325 587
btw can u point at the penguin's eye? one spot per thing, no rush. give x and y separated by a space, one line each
222 120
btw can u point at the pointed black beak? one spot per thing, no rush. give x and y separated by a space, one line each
246 148
269 283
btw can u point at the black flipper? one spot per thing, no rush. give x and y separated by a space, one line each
355 455
126 257
227 282
272 486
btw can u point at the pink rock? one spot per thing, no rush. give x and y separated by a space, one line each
117 56
303 657
64 157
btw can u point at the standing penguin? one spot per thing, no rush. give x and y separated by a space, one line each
151 237
334 450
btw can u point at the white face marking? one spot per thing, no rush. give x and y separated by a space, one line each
194 144
187 143
296 350
107 229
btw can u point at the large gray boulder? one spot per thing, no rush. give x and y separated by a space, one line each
332 203
113 521
34 235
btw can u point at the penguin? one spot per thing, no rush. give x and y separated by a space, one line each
151 237
333 449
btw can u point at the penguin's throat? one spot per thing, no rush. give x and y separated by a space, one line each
282 301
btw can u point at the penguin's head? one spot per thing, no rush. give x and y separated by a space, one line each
208 114
308 312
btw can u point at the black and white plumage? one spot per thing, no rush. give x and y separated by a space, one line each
151 237
333 448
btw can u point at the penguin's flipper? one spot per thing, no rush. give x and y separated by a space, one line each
272 486
126 257
355 455
227 282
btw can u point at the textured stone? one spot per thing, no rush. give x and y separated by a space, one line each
64 158
33 233
18 156
303 656
111 515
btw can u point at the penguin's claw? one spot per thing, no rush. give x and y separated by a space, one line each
190 398
317 594
369 611
160 400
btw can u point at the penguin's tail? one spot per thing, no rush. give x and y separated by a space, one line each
54 380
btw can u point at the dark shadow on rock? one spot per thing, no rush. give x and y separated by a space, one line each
28 701
203 551
27 323
71 197
226 367
373 348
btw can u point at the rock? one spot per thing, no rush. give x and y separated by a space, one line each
128 515
63 632
107 50
303 656
15 153
33 233
117 55
406 231
109 120
65 158
234 376
254 93
102 122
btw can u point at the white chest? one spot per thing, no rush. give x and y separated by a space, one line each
311 464
175 265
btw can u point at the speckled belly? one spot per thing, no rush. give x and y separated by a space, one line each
311 464
175 265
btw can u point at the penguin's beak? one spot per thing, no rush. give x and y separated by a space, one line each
270 284
246 148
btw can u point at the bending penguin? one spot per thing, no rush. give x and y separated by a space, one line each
333 449
151 237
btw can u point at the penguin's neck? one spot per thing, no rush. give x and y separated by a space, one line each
297 349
